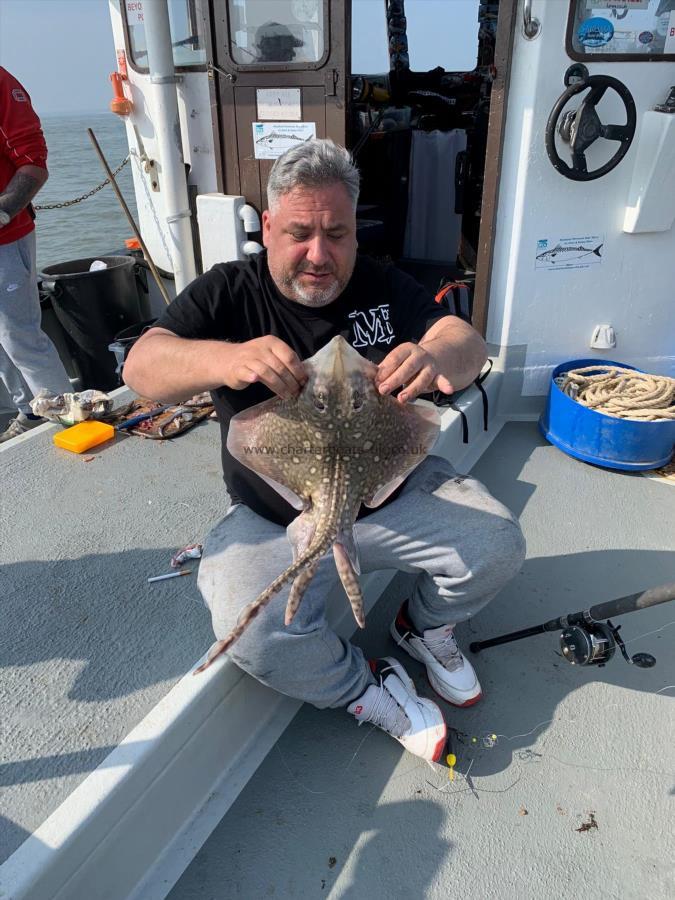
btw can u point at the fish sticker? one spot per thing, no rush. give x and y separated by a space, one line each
272 139
569 253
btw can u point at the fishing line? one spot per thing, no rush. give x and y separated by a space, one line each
647 633
487 742
309 790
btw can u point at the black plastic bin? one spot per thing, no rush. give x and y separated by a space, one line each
93 307
123 343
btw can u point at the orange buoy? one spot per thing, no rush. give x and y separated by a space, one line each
119 104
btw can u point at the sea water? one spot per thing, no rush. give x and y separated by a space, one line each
97 226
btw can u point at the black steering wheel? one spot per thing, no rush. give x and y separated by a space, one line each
582 127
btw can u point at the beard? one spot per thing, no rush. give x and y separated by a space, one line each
291 286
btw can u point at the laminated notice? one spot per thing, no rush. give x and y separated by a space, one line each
272 139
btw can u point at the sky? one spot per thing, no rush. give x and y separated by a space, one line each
62 50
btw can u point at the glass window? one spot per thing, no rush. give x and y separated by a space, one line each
634 28
276 31
370 50
440 33
186 37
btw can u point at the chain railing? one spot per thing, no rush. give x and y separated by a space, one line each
84 196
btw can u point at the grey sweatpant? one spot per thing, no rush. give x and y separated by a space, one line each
28 359
448 529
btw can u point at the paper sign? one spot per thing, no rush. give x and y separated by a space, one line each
279 103
135 12
569 252
617 4
272 139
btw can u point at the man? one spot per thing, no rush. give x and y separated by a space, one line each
241 331
28 359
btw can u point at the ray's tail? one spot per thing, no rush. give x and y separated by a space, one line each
320 544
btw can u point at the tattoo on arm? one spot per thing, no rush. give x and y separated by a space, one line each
18 193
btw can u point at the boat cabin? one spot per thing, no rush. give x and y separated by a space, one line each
518 159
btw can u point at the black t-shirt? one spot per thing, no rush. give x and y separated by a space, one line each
380 308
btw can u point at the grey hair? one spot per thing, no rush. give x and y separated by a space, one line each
315 163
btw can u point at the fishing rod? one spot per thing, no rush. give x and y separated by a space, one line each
587 640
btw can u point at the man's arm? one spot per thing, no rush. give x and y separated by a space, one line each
166 367
24 185
448 357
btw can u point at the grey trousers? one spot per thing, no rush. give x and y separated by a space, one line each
462 544
28 359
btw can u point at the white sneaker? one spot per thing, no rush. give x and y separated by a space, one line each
18 426
393 705
450 673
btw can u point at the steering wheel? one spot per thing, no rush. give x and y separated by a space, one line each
582 127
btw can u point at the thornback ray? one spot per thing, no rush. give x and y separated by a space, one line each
337 445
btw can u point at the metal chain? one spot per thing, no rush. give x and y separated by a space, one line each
84 196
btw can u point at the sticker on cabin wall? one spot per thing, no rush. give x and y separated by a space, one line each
569 252
135 12
595 32
272 139
669 46
278 103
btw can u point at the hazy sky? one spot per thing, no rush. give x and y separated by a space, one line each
62 50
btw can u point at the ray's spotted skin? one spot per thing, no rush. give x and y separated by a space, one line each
339 444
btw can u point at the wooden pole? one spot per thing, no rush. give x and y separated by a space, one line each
146 254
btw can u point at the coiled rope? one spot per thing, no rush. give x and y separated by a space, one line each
623 393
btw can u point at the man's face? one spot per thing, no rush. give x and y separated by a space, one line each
310 237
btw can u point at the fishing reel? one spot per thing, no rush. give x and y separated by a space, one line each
595 643
587 640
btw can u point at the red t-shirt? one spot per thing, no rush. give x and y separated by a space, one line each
22 143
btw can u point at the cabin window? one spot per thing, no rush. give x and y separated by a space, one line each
440 33
621 30
186 37
277 32
370 54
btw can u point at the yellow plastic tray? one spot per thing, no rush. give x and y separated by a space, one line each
84 436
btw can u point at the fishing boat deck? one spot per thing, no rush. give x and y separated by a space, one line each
111 749
87 646
574 795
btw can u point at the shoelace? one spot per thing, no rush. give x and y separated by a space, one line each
446 651
387 714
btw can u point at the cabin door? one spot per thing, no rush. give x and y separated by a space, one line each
280 76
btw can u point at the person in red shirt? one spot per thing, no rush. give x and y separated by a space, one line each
28 359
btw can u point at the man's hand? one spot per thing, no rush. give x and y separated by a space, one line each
413 366
268 360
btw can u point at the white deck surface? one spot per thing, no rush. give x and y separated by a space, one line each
340 811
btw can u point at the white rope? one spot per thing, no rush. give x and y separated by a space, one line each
622 393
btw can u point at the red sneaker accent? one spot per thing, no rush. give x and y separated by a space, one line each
373 665
402 621
470 702
439 749
358 710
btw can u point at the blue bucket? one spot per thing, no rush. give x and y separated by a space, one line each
600 439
